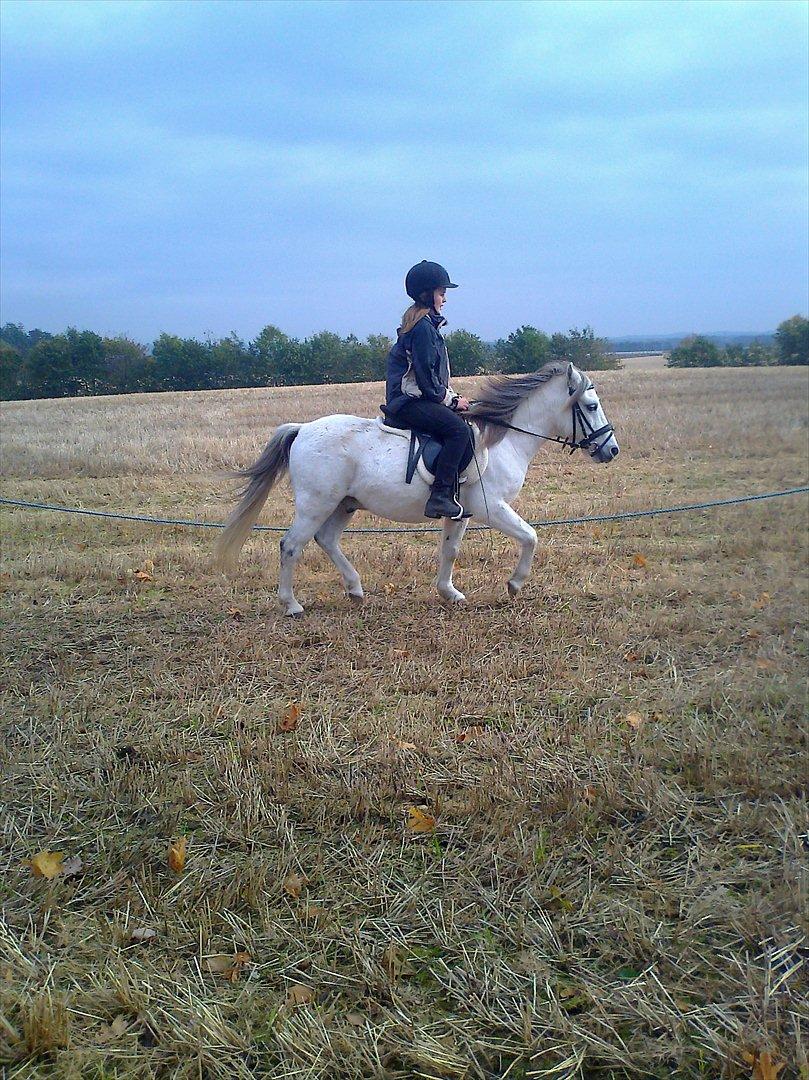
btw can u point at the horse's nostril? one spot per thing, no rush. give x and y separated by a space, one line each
615 451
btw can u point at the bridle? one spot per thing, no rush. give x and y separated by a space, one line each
589 434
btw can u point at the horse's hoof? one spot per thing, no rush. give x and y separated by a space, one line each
454 598
356 598
293 612
513 589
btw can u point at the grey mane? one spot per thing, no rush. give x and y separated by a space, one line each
501 394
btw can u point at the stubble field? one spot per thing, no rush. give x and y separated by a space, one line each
615 884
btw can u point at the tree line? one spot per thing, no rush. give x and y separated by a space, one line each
790 345
36 364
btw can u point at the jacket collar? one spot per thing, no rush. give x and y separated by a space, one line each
437 320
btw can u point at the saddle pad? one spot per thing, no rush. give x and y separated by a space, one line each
430 448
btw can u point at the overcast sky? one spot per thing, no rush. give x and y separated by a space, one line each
201 167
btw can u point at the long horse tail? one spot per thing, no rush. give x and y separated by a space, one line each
261 476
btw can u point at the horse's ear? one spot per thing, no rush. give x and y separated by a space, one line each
570 385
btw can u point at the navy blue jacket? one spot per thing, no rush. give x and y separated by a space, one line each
418 366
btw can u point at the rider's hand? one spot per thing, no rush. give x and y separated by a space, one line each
463 404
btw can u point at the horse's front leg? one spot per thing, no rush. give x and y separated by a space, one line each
508 521
448 552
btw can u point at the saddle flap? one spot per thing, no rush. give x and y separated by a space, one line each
424 450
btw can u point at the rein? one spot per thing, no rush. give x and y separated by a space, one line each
588 433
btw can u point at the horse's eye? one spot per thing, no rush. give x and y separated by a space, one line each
592 408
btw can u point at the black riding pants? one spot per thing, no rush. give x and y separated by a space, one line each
445 425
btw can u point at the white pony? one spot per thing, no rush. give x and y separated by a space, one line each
340 464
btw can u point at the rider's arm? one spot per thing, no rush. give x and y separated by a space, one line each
422 355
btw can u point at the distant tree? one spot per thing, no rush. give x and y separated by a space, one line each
15 335
378 345
322 358
355 360
467 353
227 362
66 365
792 341
128 367
182 363
695 351
755 354
11 370
48 370
527 349
272 358
584 349
87 358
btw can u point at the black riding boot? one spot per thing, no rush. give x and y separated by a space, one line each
443 503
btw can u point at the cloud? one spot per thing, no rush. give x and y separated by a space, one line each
203 154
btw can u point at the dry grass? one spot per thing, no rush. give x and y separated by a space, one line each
600 898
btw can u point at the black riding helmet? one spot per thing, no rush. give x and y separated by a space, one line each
425 277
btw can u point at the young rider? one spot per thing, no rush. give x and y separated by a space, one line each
418 392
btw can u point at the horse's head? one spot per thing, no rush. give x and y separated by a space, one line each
587 426
558 403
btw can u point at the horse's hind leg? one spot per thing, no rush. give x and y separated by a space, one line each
307 522
328 537
450 543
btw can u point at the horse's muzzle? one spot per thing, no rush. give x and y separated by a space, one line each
605 454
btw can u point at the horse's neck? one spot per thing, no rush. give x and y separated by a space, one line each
532 414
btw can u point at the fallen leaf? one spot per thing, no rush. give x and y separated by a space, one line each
631 657
402 745
388 588
115 1030
356 1019
761 603
638 560
119 1025
235 613
391 960
398 654
142 934
753 635
320 916
228 966
598 534
419 820
765 1067
588 794
143 575
300 995
764 665
294 885
635 720
177 852
47 864
291 718
471 733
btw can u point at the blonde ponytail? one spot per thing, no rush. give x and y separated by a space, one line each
411 317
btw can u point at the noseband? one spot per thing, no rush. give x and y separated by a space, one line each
589 434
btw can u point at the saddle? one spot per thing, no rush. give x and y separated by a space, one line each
424 450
